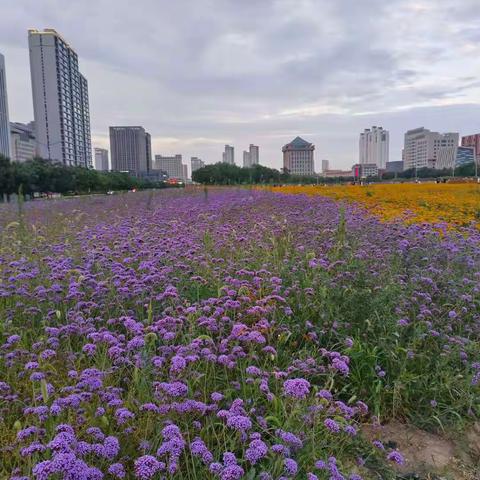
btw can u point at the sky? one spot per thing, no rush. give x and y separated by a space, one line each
198 74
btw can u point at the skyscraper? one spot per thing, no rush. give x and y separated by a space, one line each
254 155
148 145
246 159
374 147
325 166
130 149
4 120
298 157
421 147
60 100
196 164
101 159
229 155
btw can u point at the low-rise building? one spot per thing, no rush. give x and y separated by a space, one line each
338 173
395 167
153 176
364 170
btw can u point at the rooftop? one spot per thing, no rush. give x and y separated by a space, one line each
48 31
299 143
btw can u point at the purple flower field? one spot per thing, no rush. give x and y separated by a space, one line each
239 334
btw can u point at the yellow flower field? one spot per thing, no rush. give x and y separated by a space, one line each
455 204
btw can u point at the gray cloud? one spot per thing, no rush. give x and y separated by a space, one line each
198 73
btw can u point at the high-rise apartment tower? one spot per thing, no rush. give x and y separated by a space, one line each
374 147
4 120
60 100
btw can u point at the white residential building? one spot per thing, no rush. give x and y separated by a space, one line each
196 163
229 155
101 159
172 165
60 100
374 147
23 143
421 147
4 120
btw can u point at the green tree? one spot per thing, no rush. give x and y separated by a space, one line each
7 182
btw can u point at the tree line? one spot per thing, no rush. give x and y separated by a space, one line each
228 174
42 176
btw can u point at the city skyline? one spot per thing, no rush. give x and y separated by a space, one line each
266 90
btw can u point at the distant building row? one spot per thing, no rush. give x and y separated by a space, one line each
424 148
131 151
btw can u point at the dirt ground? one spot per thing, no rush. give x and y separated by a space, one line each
430 456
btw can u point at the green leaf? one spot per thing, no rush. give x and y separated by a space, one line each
44 390
251 474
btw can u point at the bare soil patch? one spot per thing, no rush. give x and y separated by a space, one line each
431 456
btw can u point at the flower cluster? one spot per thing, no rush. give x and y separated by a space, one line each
239 334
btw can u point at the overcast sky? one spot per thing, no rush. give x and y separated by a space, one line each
198 74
